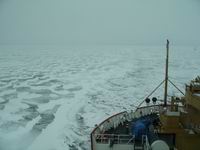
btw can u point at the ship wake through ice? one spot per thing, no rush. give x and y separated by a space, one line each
51 98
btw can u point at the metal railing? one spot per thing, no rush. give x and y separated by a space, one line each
145 142
114 138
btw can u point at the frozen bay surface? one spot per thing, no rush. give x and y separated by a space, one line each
51 98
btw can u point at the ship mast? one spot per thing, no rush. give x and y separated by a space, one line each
166 75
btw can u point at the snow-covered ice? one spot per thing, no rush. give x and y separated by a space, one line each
52 97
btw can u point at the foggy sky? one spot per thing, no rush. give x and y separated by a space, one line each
99 21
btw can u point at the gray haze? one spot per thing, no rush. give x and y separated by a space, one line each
99 21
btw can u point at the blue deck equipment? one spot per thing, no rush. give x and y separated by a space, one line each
141 127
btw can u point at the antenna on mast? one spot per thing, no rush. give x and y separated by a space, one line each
166 74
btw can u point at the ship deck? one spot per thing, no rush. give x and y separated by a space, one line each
117 129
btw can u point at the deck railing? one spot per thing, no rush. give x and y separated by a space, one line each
145 142
114 138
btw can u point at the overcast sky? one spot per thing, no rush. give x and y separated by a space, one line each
99 21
